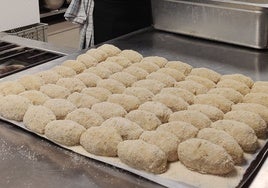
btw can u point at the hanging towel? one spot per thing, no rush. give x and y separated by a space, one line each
81 12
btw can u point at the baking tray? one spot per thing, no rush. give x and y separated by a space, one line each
177 174
241 22
225 59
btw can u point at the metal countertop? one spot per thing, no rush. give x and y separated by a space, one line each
221 57
27 160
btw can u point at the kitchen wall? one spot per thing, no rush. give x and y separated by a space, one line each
18 13
65 34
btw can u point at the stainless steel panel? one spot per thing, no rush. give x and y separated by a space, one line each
253 1
237 22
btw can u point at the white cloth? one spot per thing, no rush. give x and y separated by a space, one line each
81 12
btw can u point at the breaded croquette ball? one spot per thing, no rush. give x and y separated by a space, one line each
55 91
37 117
215 100
210 111
242 133
159 109
206 73
77 66
238 86
14 107
165 140
108 110
127 129
101 141
128 102
205 157
86 117
225 140
65 132
146 120
60 107
192 86
151 159
131 55
196 118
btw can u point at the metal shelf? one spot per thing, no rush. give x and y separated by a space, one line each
52 12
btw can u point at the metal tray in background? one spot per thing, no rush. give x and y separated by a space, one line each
241 22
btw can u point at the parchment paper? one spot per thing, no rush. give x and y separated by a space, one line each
177 174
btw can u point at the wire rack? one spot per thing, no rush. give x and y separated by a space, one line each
36 31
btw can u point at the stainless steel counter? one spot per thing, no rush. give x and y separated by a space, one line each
29 161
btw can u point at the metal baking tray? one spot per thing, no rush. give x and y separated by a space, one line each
177 175
223 58
241 22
